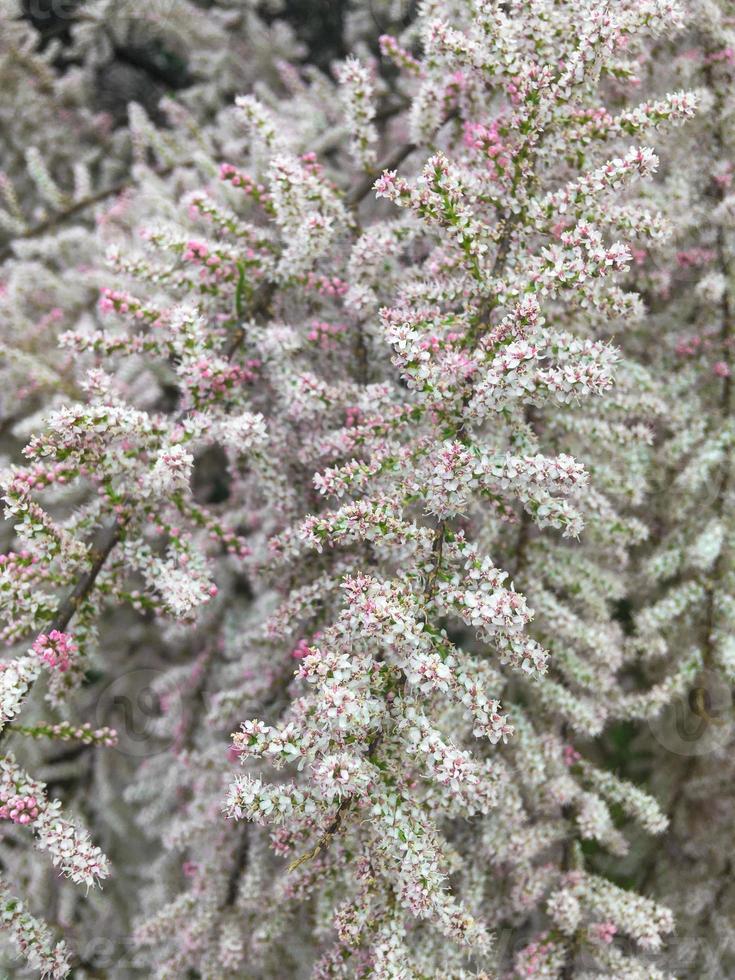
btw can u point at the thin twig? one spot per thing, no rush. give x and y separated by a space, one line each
54 220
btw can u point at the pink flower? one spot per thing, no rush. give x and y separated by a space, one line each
639 255
195 251
301 649
488 141
721 369
20 809
55 649
604 932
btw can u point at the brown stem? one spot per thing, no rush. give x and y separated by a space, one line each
48 224
81 205
238 866
101 550
390 162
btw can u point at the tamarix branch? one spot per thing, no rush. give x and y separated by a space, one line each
369 494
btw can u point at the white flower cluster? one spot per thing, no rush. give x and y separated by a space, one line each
16 678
